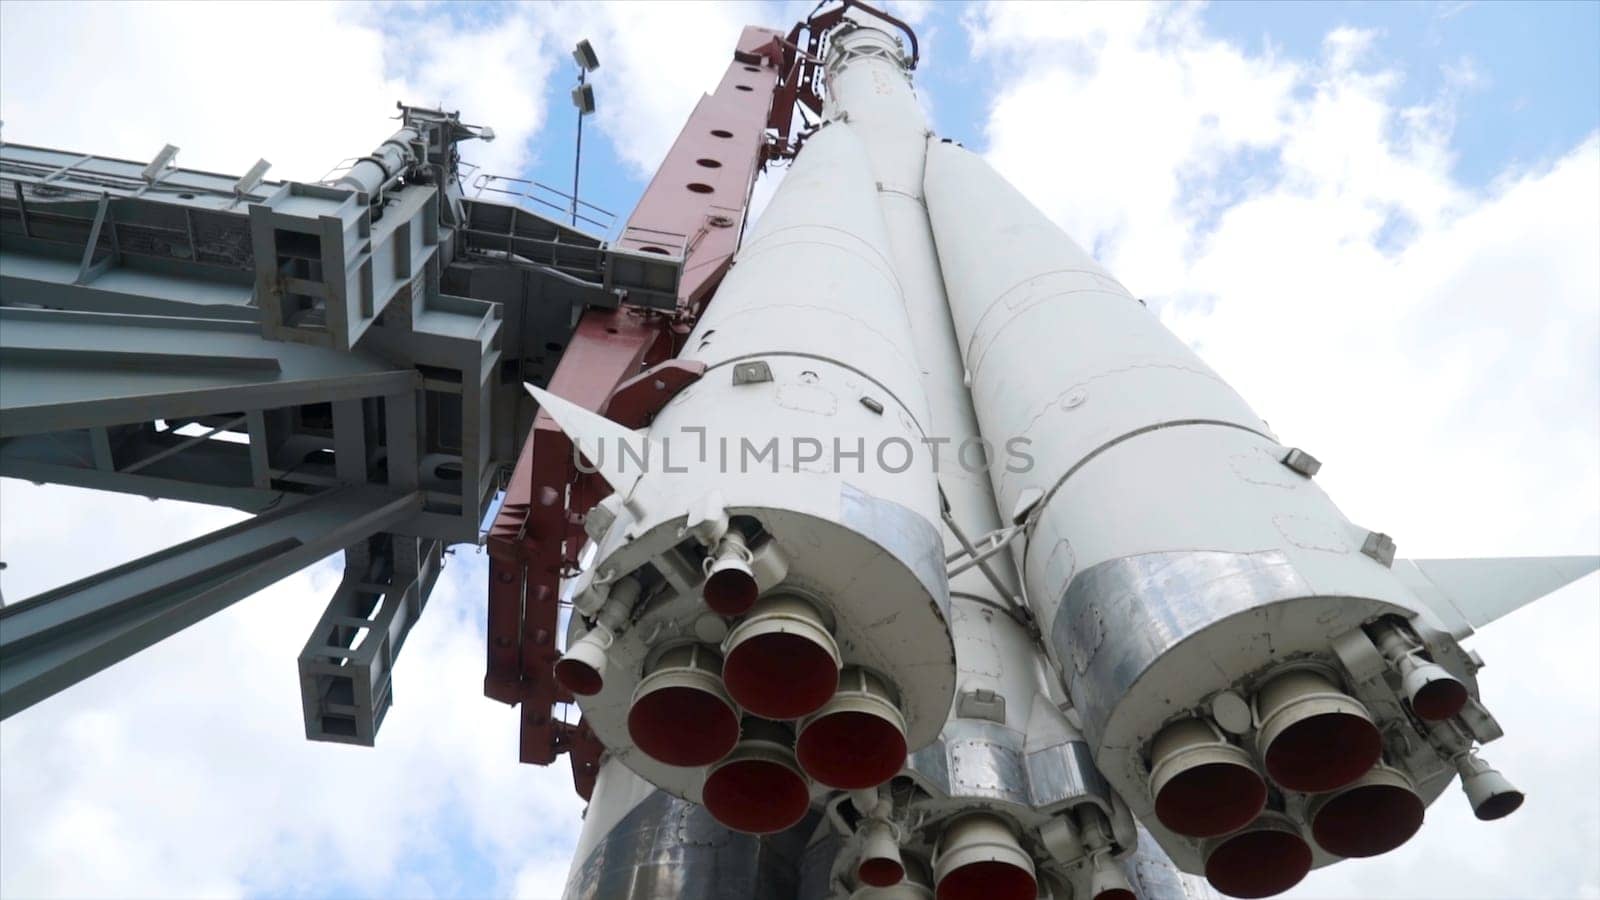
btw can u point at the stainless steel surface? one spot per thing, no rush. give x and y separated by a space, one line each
1119 617
666 848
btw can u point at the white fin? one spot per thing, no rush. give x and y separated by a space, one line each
599 439
1471 593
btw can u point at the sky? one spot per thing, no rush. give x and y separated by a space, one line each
1380 222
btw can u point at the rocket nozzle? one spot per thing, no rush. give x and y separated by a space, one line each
1203 786
1268 857
880 865
680 714
858 739
979 859
1314 737
730 588
1107 881
781 662
1492 796
758 789
1435 694
1372 815
582 668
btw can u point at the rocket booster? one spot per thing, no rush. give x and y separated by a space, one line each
766 615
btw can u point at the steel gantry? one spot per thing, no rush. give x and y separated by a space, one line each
345 360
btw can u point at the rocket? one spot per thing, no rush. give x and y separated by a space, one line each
954 573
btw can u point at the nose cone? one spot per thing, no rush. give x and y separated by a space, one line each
1203 786
980 859
680 714
1267 858
858 739
1374 815
1313 736
757 789
781 661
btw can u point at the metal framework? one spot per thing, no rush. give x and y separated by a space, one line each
345 360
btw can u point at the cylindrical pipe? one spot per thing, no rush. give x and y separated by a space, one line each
1372 815
1266 858
680 713
1203 786
371 172
781 662
1311 735
979 859
858 739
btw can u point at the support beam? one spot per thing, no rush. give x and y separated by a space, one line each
346 668
62 370
54 640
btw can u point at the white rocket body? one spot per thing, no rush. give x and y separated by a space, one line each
1152 648
793 469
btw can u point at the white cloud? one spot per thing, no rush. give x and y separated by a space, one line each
656 61
183 770
1437 346
302 85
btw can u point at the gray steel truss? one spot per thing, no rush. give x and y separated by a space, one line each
343 359
58 638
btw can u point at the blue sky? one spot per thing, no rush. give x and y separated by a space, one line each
1534 93
1379 221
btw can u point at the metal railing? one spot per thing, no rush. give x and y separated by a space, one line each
544 195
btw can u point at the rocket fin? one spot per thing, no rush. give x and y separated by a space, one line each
599 439
1471 593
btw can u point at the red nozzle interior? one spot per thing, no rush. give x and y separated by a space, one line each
756 796
683 726
1324 752
1258 863
780 675
731 592
880 871
1439 700
1367 820
850 750
578 677
988 880
1211 799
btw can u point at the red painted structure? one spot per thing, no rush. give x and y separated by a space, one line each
621 364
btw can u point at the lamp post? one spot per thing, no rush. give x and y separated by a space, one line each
583 99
